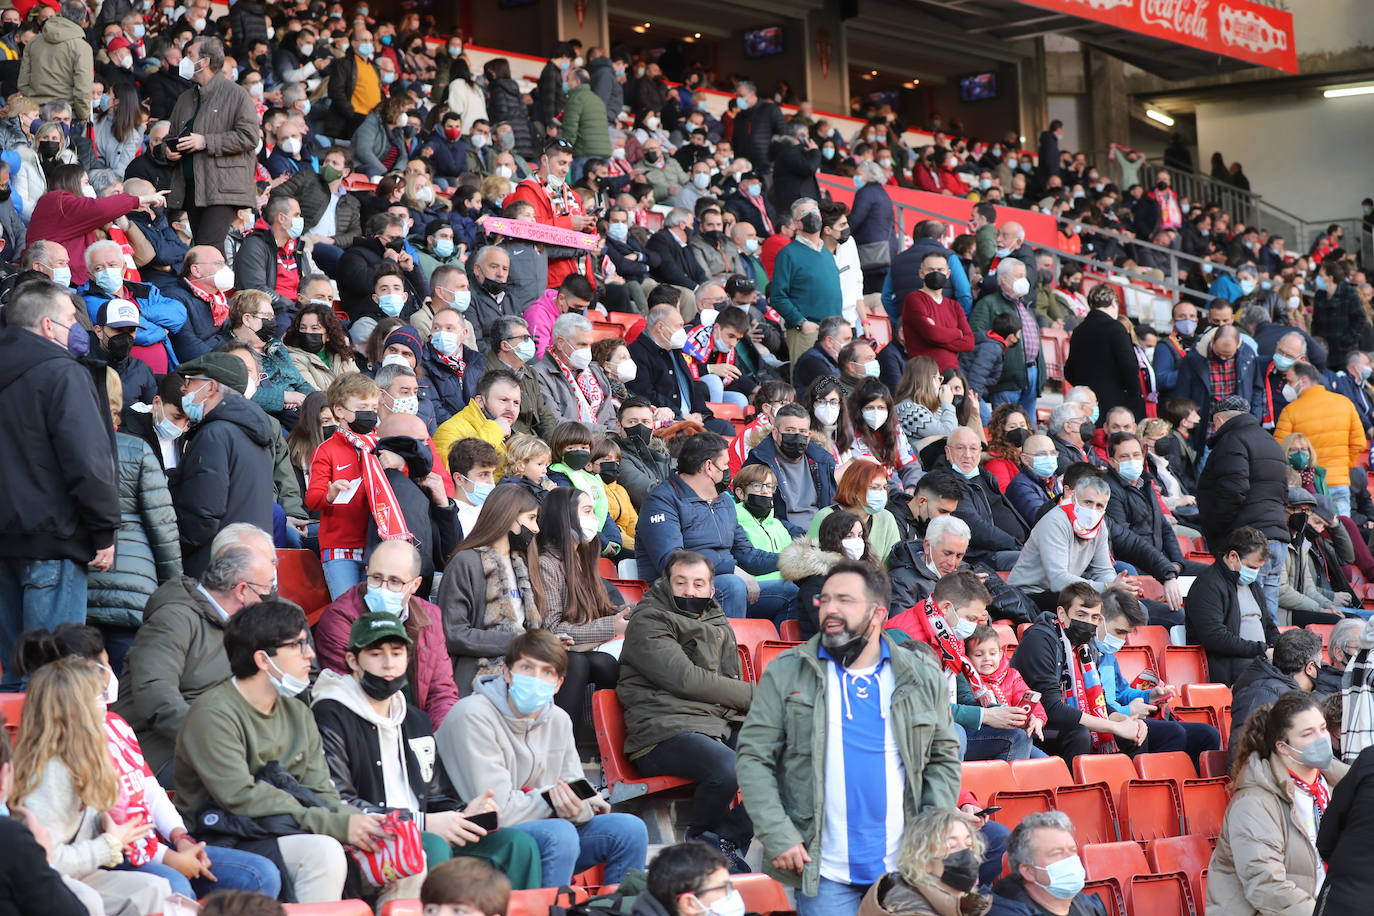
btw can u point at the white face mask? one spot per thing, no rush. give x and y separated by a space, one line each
875 417
111 691
828 414
581 358
626 370
678 339
1020 286
588 528
853 548
288 685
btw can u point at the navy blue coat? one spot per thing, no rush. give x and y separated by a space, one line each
1195 382
452 393
675 518
1027 494
810 366
198 335
450 157
821 465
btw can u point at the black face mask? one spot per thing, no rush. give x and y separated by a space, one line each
793 445
934 280
1086 431
641 434
577 458
4 194
694 606
328 430
363 422
610 471
758 505
48 148
844 236
312 342
267 332
846 647
1018 437
1297 522
520 540
119 346
957 401
724 484
960 870
493 287
379 688
1080 632
260 61
651 156
811 222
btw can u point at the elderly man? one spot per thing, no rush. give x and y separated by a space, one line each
511 347
663 376
203 290
161 317
915 568
806 280
574 385
1036 482
981 494
676 263
556 204
833 335
1290 349
1023 367
491 297
1067 428
1342 644
714 252
1218 368
1353 383
216 124
1011 243
177 653
50 259
1332 424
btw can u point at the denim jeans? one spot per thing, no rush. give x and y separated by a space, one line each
235 870
775 597
988 743
833 899
37 594
341 575
618 840
1341 497
1270 574
711 763
1025 397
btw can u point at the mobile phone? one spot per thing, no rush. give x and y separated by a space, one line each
487 820
1029 699
581 788
988 811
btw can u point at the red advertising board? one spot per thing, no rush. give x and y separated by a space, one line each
1232 28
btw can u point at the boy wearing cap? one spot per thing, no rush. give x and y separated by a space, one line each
116 322
1305 594
225 471
382 756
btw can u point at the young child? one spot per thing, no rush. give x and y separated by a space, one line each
982 366
606 462
527 463
984 650
337 489
460 887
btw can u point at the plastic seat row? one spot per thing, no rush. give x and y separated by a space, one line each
1168 876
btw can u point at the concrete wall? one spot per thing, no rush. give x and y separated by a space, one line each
1308 155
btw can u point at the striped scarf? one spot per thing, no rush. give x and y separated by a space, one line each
386 511
1087 689
584 385
952 656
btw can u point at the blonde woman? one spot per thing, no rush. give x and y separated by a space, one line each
423 198
1302 457
64 775
29 183
495 190
937 870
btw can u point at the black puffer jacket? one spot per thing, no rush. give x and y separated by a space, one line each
248 22
147 551
59 500
225 476
1244 482
255 267
1213 622
1140 534
504 104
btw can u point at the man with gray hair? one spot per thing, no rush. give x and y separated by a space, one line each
512 347
942 552
178 652
59 505
1047 876
806 280
832 336
1023 366
676 263
572 383
59 63
1066 427
491 298
663 377
1070 544
1289 349
1353 383
1342 643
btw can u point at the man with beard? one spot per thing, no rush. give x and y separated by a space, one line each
882 710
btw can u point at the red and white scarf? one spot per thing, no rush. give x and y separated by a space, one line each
386 511
218 302
951 649
454 362
584 385
1071 511
1318 790
1087 689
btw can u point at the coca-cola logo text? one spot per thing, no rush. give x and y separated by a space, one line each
1187 17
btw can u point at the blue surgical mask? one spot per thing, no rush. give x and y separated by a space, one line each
365 49
525 350
1247 287
964 628
1097 412
876 502
443 247
827 153
1130 471
1186 326
391 303
444 341
62 276
1247 575
297 227
1067 877
1321 282
618 231
1045 465
1282 362
530 694
110 279
858 182
480 491
194 410
385 601
167 429
1109 644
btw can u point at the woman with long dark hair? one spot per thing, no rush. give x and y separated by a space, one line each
318 345
874 433
576 606
492 590
119 131
824 401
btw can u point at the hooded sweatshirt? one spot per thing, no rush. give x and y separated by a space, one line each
485 746
346 690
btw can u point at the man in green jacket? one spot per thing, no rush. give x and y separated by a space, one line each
584 121
684 700
849 698
253 719
178 652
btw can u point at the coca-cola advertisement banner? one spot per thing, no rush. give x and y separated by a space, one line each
1232 28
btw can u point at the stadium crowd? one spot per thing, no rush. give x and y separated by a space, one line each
555 385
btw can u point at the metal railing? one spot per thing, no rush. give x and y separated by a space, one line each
1242 206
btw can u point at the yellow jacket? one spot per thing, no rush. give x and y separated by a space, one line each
620 508
469 423
1330 421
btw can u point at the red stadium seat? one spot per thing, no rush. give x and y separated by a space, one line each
879 327
1113 770
1213 763
1184 665
1217 696
1189 854
750 632
1091 810
300 579
985 777
725 411
1122 861
1204 800
12 708
790 630
1145 808
401 908
766 651
1108 890
1156 894
1132 660
762 894
1151 589
632 590
1323 630
621 776
746 665
538 902
606 567
1156 637
602 330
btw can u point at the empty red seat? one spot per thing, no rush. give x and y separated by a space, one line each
1184 665
300 579
1156 637
1189 854
1145 808
1132 660
746 665
1217 696
1151 589
1121 861
1108 890
632 590
606 566
1213 763
337 908
750 632
723 410
761 894
1041 773
790 630
1157 894
538 901
879 328
622 777
768 650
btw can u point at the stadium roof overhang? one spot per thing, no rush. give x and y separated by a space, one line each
1174 39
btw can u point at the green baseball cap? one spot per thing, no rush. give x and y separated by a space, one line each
370 629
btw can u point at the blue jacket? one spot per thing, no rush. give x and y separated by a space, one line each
1027 494
822 467
871 216
1343 384
169 249
450 157
451 393
1167 362
198 335
1226 286
161 317
1115 690
675 518
810 366
1009 898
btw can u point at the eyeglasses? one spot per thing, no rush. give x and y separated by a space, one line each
762 489
390 583
728 887
297 644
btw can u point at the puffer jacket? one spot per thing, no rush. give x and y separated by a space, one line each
58 66
675 518
805 563
584 120
147 550
1263 863
679 673
642 466
371 141
505 105
279 375
1331 422
1337 318
892 896
1244 482
1140 534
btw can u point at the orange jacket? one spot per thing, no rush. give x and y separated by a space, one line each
1331 422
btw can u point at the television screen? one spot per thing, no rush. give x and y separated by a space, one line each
763 42
978 87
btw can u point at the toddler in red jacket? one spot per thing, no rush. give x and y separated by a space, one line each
984 651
